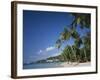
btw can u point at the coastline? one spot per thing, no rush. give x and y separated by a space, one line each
55 65
75 64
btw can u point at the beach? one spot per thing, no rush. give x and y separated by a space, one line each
75 64
55 65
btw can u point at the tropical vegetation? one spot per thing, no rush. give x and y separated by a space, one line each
80 51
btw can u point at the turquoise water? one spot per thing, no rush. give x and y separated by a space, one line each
42 65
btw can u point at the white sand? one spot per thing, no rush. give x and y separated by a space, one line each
75 64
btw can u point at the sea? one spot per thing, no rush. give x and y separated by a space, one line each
42 65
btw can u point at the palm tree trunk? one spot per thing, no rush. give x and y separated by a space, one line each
85 55
74 53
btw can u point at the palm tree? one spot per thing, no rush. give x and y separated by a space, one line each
73 48
87 42
65 54
70 32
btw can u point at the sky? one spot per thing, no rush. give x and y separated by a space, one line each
41 29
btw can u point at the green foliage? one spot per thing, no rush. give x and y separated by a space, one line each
65 35
74 52
58 43
74 33
78 42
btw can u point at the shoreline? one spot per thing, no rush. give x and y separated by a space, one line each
56 65
75 64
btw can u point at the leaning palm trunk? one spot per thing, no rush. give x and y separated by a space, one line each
74 53
63 56
77 57
85 55
70 56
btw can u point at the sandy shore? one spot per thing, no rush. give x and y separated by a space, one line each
75 64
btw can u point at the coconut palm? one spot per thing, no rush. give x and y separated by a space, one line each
70 32
87 42
73 47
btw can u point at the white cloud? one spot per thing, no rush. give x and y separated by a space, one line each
40 51
50 48
46 50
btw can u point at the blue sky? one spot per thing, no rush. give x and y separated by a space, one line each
40 32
